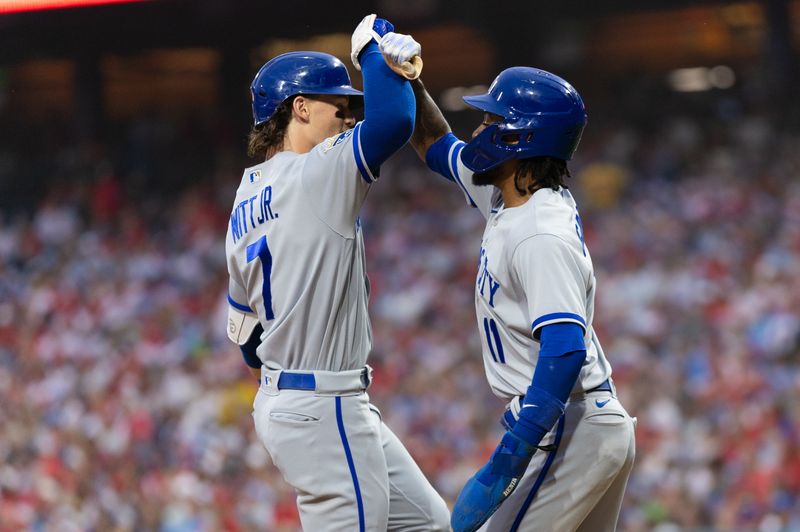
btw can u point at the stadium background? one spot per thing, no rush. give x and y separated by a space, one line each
122 138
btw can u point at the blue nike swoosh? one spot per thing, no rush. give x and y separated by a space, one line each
601 404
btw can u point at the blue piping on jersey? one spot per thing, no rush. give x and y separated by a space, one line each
456 151
239 306
442 158
562 316
350 464
540 479
359 157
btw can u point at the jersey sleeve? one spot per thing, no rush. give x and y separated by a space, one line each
242 319
552 281
336 179
444 158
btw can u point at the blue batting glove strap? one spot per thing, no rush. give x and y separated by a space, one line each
508 420
492 484
381 26
539 413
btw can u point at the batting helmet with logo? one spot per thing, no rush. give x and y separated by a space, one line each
297 73
542 115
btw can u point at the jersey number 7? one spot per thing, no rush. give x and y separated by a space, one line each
260 250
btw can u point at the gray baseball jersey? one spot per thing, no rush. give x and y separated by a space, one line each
295 255
534 270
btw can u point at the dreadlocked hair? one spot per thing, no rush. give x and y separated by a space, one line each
267 138
540 172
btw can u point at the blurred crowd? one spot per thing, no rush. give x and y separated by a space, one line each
123 406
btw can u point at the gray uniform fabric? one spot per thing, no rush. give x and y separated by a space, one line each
582 482
302 210
295 255
536 270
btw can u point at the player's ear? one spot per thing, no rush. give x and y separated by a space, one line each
300 108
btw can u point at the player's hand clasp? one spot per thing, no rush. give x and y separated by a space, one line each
370 28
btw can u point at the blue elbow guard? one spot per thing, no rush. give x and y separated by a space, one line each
560 359
540 411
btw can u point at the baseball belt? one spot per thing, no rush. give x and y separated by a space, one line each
318 381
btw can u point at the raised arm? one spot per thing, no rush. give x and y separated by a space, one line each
440 150
430 124
388 100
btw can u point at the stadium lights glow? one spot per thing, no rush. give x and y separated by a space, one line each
701 78
20 6
450 99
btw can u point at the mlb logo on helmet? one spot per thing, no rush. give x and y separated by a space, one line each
255 176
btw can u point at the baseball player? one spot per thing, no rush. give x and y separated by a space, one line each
569 447
298 287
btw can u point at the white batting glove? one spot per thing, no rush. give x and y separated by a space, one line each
362 35
399 47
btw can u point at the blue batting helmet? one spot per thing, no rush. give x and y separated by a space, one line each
542 115
297 73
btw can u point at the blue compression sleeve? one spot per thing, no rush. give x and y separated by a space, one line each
249 349
389 109
437 156
561 356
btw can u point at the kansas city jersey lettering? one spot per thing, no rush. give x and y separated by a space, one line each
486 285
252 212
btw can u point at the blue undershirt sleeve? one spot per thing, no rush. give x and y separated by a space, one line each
389 109
561 356
249 348
438 156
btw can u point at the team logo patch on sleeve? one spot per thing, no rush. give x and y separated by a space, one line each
335 141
